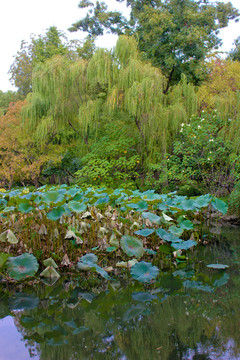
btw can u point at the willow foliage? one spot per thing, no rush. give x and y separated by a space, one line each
80 96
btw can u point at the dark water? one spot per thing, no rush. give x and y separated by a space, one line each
190 312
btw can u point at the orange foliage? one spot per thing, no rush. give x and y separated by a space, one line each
21 160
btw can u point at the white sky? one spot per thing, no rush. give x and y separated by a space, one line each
21 18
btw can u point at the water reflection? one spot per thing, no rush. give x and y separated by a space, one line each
191 313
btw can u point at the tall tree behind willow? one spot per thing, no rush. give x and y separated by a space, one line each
40 49
176 35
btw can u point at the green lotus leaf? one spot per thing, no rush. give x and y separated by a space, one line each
8 236
3 259
52 197
56 213
219 205
152 217
222 281
150 252
89 258
185 245
76 206
166 249
144 232
25 208
22 266
191 284
111 248
218 266
132 246
144 272
50 262
50 272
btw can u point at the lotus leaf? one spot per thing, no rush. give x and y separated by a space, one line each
52 197
22 266
145 232
132 246
191 284
50 262
50 272
8 236
152 217
185 245
89 258
151 252
111 248
218 266
127 264
166 217
144 272
222 281
25 208
219 205
56 213
77 207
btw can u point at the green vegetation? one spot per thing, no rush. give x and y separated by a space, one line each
59 225
157 114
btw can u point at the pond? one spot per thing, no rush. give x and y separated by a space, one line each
190 312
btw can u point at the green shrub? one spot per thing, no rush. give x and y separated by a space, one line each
234 200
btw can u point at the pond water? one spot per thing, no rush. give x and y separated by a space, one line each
190 312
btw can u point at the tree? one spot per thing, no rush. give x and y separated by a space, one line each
6 98
39 50
234 54
176 35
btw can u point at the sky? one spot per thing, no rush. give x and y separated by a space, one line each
21 18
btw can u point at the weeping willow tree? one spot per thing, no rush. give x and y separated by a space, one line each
121 82
59 87
73 102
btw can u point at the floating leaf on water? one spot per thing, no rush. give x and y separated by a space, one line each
50 272
218 266
144 232
22 266
3 259
8 236
132 246
144 272
50 262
